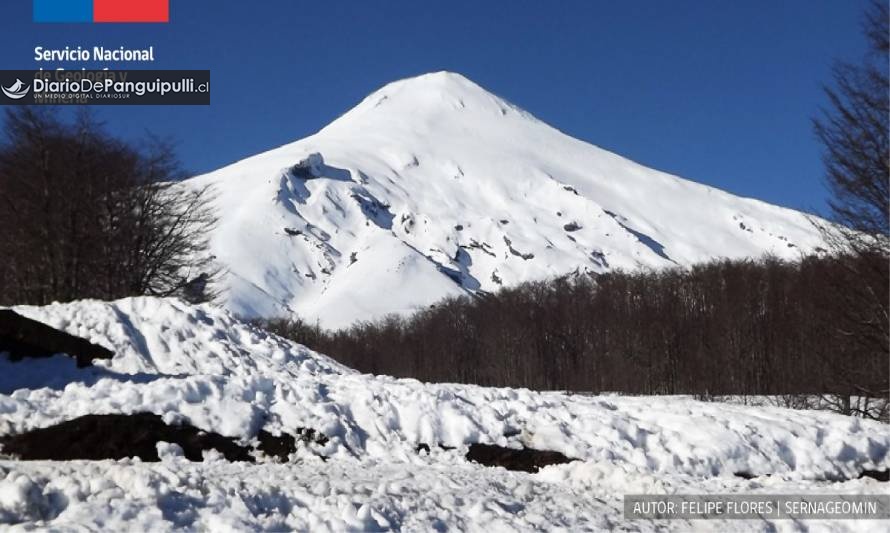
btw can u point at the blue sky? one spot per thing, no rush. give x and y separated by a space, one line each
717 91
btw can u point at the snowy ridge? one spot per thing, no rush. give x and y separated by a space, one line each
432 187
198 364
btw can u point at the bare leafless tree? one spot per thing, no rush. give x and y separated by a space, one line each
854 133
86 215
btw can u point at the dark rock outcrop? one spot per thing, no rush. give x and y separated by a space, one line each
877 475
572 226
277 446
23 337
522 459
283 445
424 447
97 437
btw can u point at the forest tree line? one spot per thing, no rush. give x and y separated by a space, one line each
767 327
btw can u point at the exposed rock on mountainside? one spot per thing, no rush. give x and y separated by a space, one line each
433 187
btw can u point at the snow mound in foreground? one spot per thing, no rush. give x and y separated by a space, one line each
340 496
200 365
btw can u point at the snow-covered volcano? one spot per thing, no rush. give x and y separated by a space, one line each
433 186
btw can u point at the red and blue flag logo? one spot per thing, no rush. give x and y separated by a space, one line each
101 10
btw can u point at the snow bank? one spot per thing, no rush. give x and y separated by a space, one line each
200 365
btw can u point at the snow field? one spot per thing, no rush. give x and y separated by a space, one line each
198 364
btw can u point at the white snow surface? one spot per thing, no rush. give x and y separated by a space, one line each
433 187
199 364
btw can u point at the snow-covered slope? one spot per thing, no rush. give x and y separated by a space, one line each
433 187
201 366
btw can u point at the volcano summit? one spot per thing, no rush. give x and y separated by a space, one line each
432 187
